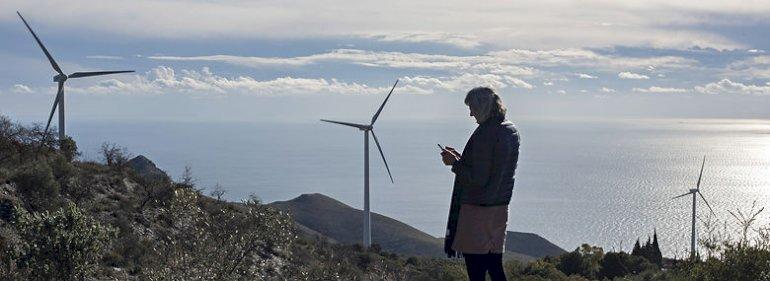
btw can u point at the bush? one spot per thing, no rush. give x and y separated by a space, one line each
545 270
37 186
69 149
61 245
236 242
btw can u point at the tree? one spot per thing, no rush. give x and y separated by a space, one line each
218 192
114 156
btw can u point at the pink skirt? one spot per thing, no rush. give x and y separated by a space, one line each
481 230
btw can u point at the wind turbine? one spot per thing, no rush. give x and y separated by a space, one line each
695 191
60 78
367 129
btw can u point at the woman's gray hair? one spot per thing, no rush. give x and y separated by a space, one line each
485 103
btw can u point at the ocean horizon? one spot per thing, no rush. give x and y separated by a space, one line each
605 182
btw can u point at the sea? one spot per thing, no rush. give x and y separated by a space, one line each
604 182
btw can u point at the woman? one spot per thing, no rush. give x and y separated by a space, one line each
484 176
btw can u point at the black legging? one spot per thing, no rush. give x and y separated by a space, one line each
479 264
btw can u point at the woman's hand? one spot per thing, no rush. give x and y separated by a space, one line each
453 151
449 156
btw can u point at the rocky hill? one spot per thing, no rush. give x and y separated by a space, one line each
319 214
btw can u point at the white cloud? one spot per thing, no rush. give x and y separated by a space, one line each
662 90
584 76
550 24
22 89
165 80
514 62
725 86
607 90
758 67
631 75
104 57
461 41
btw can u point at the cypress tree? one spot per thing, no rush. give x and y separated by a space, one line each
637 248
657 256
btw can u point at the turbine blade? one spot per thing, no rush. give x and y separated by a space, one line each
383 156
697 186
360 126
707 202
59 93
47 54
96 73
688 193
374 118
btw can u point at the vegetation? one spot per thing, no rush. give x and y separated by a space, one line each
64 219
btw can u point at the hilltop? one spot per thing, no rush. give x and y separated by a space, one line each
319 215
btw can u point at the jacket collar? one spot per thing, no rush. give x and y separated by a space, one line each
495 120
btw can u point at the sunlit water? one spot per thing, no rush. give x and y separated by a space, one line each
603 182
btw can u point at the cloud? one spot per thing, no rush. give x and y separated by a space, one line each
584 76
757 67
513 62
104 57
165 80
631 75
21 89
725 86
607 90
553 24
371 59
662 90
457 40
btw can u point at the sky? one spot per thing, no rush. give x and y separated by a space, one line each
302 60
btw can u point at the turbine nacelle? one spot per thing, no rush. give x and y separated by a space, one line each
60 78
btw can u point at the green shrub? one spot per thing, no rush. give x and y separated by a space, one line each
545 270
237 242
68 148
61 245
37 186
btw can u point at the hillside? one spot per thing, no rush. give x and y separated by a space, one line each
339 222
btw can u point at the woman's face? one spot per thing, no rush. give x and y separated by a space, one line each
473 114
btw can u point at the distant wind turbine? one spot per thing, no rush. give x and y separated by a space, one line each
695 191
367 129
60 78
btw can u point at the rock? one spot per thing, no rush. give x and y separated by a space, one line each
145 168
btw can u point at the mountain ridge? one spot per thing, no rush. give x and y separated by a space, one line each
331 219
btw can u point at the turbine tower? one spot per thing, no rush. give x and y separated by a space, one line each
369 129
694 192
60 78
